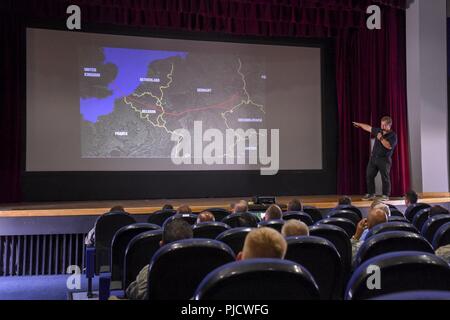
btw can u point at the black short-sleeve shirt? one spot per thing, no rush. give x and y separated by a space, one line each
379 151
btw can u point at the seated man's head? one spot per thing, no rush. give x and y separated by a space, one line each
376 216
205 216
295 228
295 205
273 213
117 209
184 210
345 201
240 207
175 230
383 207
247 220
167 207
411 197
263 243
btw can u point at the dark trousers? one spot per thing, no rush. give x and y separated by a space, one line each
382 165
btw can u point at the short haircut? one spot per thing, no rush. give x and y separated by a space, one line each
295 205
264 243
175 230
295 228
387 119
241 206
246 220
435 210
117 209
184 210
345 201
383 207
412 196
375 203
205 216
273 213
167 207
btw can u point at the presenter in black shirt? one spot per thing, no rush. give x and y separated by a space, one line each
381 158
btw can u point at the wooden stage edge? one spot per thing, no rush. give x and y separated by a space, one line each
90 208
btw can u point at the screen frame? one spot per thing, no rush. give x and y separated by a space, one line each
133 185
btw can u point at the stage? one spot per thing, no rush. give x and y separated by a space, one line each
145 207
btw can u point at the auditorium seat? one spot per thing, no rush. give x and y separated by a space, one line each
391 226
346 224
321 259
234 238
442 236
339 238
159 217
433 224
397 219
413 209
415 296
177 268
274 224
138 254
209 230
396 213
313 212
421 217
188 217
354 209
301 216
218 213
391 241
235 221
399 272
119 245
258 279
347 214
105 229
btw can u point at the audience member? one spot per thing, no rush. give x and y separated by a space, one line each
184 210
167 207
295 205
345 201
411 198
376 216
263 243
240 207
174 230
274 212
295 228
205 216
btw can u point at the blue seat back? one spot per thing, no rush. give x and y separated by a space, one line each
347 214
188 217
218 213
209 230
159 217
391 241
398 272
138 254
421 217
348 225
258 279
234 238
432 225
442 236
274 224
391 226
313 212
413 209
177 268
301 216
236 220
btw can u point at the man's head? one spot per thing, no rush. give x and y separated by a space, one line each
175 230
117 209
386 123
240 207
246 220
376 216
295 205
273 213
345 201
383 207
263 243
411 197
167 207
184 210
205 217
295 228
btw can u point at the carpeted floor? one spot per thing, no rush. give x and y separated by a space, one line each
39 287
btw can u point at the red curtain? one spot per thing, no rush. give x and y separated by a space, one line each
370 65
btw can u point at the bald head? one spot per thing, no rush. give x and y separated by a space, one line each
383 207
376 216
240 207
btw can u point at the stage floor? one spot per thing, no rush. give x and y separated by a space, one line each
89 208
